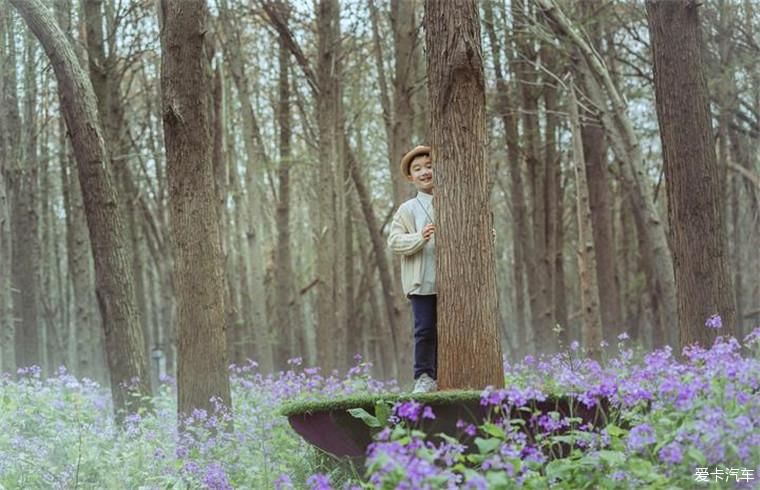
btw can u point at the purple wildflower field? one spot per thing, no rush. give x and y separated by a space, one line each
688 423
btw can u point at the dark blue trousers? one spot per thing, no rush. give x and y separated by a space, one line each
425 335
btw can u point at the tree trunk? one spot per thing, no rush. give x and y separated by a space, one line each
22 173
113 276
284 321
198 268
695 206
553 198
520 225
469 350
331 334
595 154
404 26
7 335
256 158
537 267
591 332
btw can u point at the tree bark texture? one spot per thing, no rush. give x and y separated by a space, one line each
21 175
256 157
469 349
538 276
198 267
404 26
285 327
695 205
113 274
591 332
517 198
7 328
600 200
331 321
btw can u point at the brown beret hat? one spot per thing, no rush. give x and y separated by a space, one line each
406 161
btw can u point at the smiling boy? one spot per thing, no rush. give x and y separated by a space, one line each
412 237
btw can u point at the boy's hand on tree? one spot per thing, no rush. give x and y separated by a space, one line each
427 231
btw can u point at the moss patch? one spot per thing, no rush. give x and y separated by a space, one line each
368 401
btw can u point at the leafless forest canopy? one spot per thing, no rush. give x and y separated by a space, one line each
281 141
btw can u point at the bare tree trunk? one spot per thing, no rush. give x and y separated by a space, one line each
86 336
404 26
592 323
695 205
285 284
331 334
198 269
554 195
520 226
24 216
537 268
51 305
113 276
256 158
595 154
89 345
469 350
7 335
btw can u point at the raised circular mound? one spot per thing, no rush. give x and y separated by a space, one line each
330 426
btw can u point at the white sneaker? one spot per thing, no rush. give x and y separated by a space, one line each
425 384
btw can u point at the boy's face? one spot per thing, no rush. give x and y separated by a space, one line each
421 173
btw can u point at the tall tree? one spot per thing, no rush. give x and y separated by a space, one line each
198 267
7 335
538 273
469 350
287 336
591 332
331 319
21 173
695 206
600 200
256 157
113 274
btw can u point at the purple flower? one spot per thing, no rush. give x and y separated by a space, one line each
216 478
319 482
409 410
714 322
283 482
640 437
427 413
671 453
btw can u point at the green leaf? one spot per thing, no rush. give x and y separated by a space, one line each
615 431
612 458
486 446
366 417
497 479
558 469
493 430
382 412
640 468
696 455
